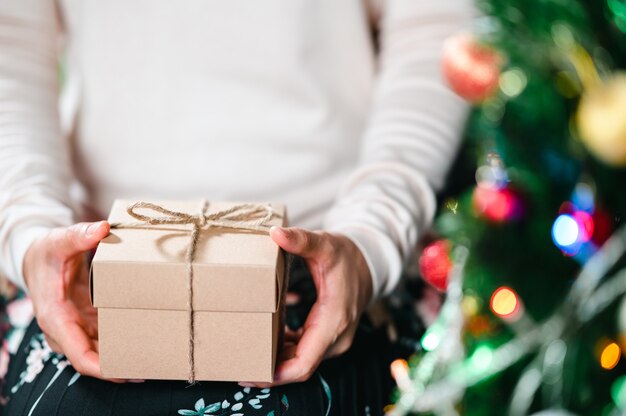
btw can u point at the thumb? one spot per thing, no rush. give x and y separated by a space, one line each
81 237
297 241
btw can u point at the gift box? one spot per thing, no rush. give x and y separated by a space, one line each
189 291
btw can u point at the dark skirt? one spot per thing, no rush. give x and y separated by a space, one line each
40 382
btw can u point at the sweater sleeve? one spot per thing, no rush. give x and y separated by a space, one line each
34 160
410 141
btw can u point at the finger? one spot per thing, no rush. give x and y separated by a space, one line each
286 352
57 349
121 380
91 330
81 352
78 349
53 345
318 336
297 241
292 298
342 344
291 335
80 237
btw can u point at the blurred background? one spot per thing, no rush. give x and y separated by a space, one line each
528 251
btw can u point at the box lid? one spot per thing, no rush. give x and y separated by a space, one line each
145 268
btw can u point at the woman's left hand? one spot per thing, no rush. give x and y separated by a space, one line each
344 289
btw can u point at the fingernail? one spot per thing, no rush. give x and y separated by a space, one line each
280 230
246 384
92 228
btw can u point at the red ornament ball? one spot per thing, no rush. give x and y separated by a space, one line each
472 69
435 264
497 204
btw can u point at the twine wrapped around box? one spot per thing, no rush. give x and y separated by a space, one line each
245 217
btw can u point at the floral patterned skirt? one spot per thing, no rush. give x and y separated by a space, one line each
41 382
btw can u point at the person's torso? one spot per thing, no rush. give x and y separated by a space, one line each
227 100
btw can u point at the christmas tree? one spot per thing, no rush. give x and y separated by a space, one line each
531 250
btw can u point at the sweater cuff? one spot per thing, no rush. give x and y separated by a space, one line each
21 240
380 253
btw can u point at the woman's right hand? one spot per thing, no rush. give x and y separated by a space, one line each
58 283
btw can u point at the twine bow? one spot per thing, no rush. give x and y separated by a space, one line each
246 217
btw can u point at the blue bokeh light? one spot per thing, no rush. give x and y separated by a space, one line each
565 231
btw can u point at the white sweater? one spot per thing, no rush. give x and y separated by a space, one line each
243 100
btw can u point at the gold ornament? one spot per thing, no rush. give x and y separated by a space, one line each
601 119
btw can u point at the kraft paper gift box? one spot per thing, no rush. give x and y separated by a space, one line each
139 284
